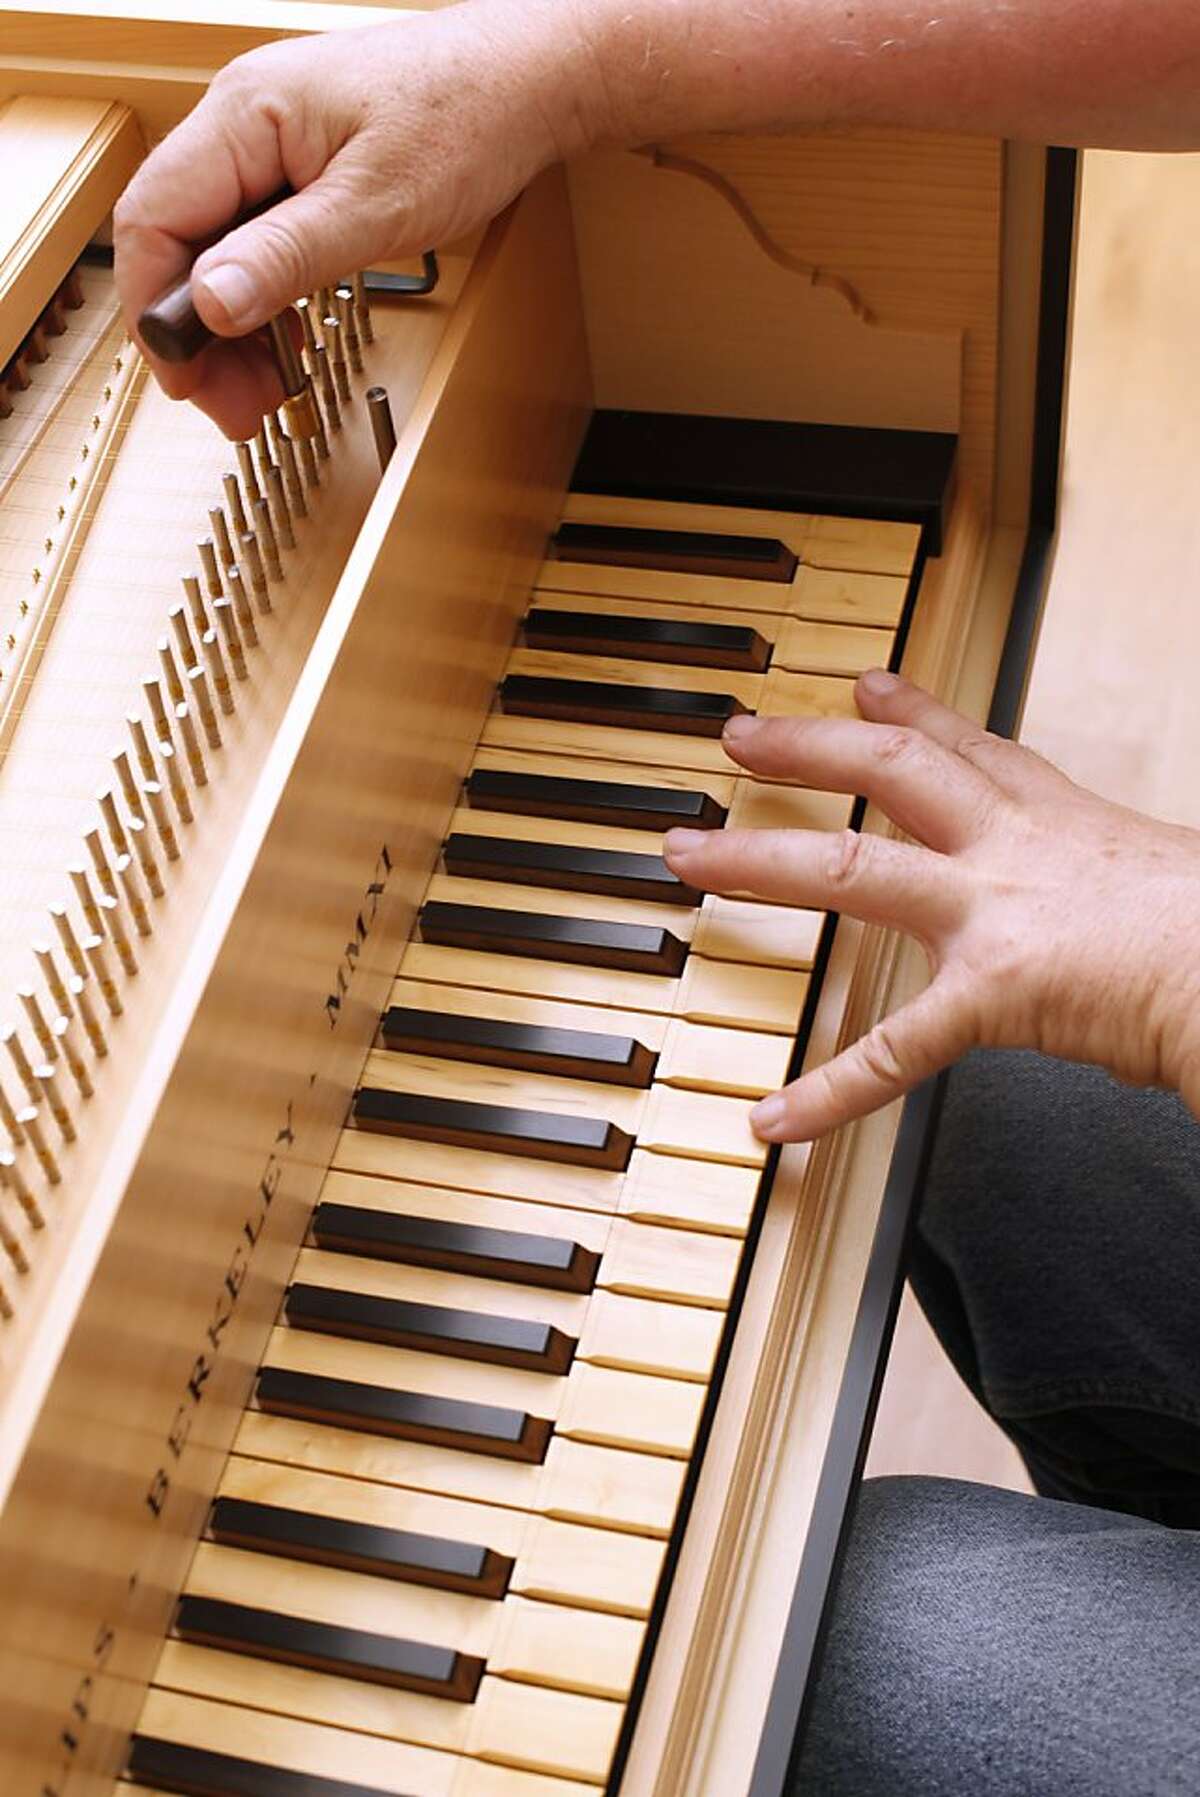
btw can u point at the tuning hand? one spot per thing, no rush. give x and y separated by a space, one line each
1051 918
395 138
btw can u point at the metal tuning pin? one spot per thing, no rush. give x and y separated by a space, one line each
245 456
158 711
170 670
13 1180
139 836
325 302
37 1022
252 556
183 635
11 1245
191 746
100 862
275 434
102 972
48 1080
86 1011
201 697
233 642
362 309
220 530
349 327
382 427
304 308
47 965
308 461
162 823
208 561
8 1117
175 780
233 499
21 1066
131 886
195 604
67 1040
291 477
216 667
112 820
115 921
142 753
243 611
329 398
87 897
69 940
32 1124
337 356
319 436
297 400
264 530
262 450
280 514
127 783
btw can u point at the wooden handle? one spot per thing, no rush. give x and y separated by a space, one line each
170 327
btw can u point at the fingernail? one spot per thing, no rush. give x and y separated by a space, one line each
878 680
231 290
741 728
767 1115
682 842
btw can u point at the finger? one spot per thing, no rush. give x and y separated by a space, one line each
932 794
869 877
918 1040
886 699
237 384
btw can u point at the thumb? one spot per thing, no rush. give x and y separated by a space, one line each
312 239
921 1038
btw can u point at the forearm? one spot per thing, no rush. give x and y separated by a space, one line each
1094 72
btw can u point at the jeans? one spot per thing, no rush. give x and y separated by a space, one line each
999 1645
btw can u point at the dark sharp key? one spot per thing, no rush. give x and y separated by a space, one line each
677 642
325 1647
593 801
198 1772
523 1047
612 873
431 1328
540 1135
543 1260
407 1415
622 707
628 947
676 551
460 1566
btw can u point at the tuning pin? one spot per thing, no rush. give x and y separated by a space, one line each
91 916
13 1180
100 862
329 398
87 1015
162 823
139 836
131 887
318 433
8 1117
382 428
67 1044
362 309
158 711
102 971
264 531
11 1243
349 326
191 746
212 574
233 499
127 784
242 609
308 461
233 642
245 456
337 356
280 514
183 634
170 671
252 556
115 920
48 1080
262 450
175 781
69 940
20 1061
216 667
31 1123
220 530
201 698
304 308
291 478
37 1022
43 954
112 821
141 747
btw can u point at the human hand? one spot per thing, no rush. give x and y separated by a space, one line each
396 138
1051 918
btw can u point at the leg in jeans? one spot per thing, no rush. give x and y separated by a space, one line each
992 1643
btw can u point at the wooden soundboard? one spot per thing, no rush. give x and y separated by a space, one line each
908 304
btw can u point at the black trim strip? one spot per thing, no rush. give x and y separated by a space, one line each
199 1772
